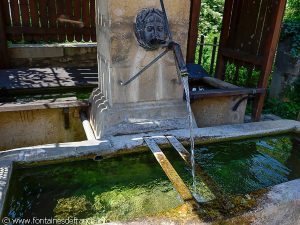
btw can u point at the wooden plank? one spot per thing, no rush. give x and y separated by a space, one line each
271 47
193 30
33 5
77 17
69 15
60 10
225 92
52 19
205 177
43 12
250 28
217 83
93 20
5 11
238 39
213 56
221 65
266 21
169 170
24 8
236 14
241 56
43 104
15 14
202 42
41 31
3 40
86 19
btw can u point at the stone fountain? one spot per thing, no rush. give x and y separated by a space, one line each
154 100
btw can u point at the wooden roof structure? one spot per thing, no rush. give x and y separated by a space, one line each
249 39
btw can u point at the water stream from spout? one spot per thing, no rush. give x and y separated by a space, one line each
185 82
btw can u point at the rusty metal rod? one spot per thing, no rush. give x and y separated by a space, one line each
144 69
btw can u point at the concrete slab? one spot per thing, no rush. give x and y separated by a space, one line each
5 173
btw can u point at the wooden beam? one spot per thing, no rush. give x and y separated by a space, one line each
4 62
205 177
242 56
269 59
43 104
220 68
169 170
193 31
225 92
51 30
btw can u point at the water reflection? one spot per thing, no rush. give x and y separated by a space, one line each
242 167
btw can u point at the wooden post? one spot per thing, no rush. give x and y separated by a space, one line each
298 116
4 62
220 68
202 42
213 57
269 59
193 32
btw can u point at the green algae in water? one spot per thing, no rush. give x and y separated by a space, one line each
114 189
243 166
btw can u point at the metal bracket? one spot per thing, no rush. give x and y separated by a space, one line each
66 112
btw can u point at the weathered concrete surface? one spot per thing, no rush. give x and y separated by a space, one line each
287 69
5 173
131 143
131 118
42 126
53 55
279 206
215 111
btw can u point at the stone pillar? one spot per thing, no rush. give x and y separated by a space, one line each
154 101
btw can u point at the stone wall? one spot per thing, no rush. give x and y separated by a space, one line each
36 127
287 69
53 55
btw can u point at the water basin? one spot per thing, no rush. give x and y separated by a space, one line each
134 186
114 189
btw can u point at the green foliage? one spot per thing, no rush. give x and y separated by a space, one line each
211 16
244 79
289 106
291 30
292 10
291 26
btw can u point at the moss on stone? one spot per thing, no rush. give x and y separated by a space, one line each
73 207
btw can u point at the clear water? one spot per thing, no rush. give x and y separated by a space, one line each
133 186
185 82
114 189
245 166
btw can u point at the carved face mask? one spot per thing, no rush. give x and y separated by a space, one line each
150 29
